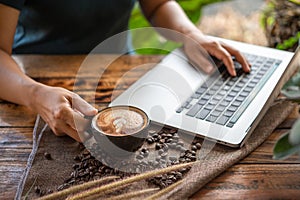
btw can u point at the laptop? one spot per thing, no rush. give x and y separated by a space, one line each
214 106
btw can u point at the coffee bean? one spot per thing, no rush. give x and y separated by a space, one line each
178 175
49 191
198 145
182 149
193 153
47 156
175 137
151 132
172 145
160 151
37 189
77 158
165 147
194 148
158 158
170 140
158 146
161 141
180 143
172 158
150 140
146 154
172 131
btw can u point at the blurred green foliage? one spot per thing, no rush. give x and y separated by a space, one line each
192 9
268 22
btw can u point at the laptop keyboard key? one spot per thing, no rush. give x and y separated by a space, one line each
228 113
215 113
211 118
222 120
220 108
179 110
232 108
209 106
202 114
240 98
230 125
236 103
225 103
194 110
222 99
201 90
228 98
202 101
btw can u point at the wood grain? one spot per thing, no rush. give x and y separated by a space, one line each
97 79
255 181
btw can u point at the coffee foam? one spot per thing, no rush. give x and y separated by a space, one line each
121 121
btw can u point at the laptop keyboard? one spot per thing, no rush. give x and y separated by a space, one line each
222 99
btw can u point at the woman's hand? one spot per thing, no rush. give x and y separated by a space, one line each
198 48
62 110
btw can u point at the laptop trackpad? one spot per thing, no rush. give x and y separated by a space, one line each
157 100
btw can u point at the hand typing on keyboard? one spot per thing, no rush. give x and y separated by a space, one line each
222 99
198 49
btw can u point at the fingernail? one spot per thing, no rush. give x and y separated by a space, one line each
234 73
92 111
209 69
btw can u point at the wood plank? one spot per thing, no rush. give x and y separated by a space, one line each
15 144
255 177
254 181
15 147
264 153
73 65
10 176
88 84
12 115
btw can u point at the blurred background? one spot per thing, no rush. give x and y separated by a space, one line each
273 23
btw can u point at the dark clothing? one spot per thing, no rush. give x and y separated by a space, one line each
70 27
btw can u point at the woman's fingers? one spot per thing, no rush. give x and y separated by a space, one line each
238 56
199 60
222 54
82 106
72 121
61 129
220 50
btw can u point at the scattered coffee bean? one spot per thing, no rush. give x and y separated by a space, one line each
37 189
163 144
150 140
151 132
47 156
139 157
198 145
194 148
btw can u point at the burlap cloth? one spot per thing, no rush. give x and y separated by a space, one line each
52 173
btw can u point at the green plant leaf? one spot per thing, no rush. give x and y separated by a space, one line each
294 136
284 149
295 1
292 88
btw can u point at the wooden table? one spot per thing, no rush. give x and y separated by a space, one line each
255 177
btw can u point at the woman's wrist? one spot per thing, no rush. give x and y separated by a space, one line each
33 90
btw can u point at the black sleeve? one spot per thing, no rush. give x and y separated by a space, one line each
18 4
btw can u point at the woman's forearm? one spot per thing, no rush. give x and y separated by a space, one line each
15 86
